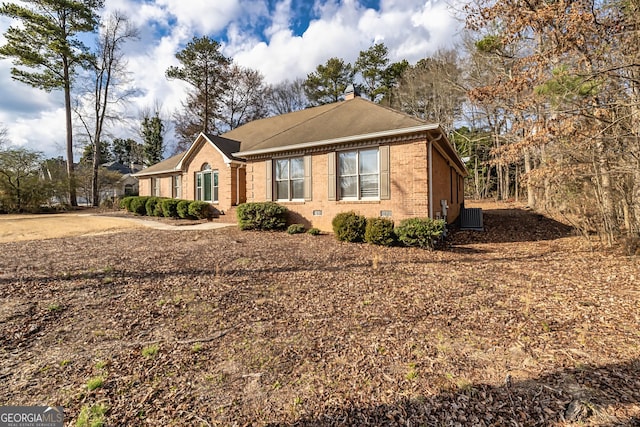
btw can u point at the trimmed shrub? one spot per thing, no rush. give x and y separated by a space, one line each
349 227
420 232
125 203
261 216
201 210
138 205
313 231
170 208
150 205
379 231
295 229
183 209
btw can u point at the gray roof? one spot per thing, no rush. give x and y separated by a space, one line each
354 117
166 166
328 124
119 167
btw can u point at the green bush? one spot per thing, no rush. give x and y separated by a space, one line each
183 209
170 208
295 229
379 231
150 205
420 232
314 231
125 203
201 210
349 227
261 216
138 205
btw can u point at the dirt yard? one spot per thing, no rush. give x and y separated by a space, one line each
523 325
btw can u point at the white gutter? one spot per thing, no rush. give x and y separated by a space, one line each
334 141
143 174
430 166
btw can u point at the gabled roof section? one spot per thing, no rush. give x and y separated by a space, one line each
120 168
226 147
343 119
166 166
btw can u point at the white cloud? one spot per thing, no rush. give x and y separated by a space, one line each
202 16
256 36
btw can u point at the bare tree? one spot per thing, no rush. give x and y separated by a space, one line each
286 97
244 99
432 90
4 139
109 71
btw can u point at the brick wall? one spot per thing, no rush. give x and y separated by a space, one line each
227 193
409 188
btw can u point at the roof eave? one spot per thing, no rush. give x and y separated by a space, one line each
342 140
162 172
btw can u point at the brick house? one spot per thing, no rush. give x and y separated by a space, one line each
350 155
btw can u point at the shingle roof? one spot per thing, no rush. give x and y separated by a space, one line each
165 166
119 167
227 146
342 119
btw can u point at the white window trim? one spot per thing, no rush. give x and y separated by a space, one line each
358 175
289 180
176 182
155 187
200 174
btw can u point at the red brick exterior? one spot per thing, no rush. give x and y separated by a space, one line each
408 184
409 188
231 179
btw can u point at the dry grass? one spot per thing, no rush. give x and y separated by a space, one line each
521 325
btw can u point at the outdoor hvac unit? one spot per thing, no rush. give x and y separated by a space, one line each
471 219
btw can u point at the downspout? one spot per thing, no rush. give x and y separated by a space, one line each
238 185
430 167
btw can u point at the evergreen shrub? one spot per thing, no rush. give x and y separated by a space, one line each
295 229
201 210
150 205
183 209
349 227
379 231
421 232
138 205
261 216
170 208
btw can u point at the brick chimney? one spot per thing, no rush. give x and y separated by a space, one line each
350 92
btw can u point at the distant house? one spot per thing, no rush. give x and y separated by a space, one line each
127 185
349 155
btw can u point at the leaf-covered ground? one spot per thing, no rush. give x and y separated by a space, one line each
523 324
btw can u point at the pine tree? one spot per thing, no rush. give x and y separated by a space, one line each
46 50
153 139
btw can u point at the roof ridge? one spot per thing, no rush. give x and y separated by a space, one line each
393 110
324 111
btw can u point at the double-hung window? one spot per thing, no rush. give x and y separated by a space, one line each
177 186
155 187
289 177
207 184
359 174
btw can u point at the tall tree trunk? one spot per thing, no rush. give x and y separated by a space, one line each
94 174
531 197
635 224
73 201
517 182
507 183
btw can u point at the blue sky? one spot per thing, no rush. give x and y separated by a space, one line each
284 39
